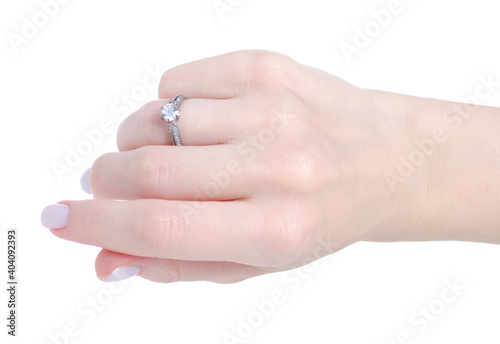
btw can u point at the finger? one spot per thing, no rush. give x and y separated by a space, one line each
168 270
176 173
214 231
227 76
202 122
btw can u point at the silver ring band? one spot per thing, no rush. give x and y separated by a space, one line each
170 113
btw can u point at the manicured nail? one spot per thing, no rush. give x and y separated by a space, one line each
121 273
85 182
55 216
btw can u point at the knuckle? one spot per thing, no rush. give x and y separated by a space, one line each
148 108
172 273
307 172
165 88
141 118
88 225
145 121
97 175
151 173
283 110
304 170
121 137
286 237
268 69
162 230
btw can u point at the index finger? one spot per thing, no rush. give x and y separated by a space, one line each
225 76
217 231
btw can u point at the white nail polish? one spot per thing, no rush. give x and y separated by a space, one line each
85 182
55 216
121 273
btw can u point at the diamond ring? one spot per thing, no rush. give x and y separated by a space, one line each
170 113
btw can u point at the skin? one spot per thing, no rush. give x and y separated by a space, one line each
283 164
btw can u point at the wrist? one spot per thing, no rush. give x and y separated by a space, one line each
444 178
465 180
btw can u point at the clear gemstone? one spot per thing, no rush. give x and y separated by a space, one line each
169 112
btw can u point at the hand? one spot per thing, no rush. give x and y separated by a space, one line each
281 164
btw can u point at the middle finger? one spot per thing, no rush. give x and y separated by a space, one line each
175 173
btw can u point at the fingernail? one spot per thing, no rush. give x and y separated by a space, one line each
55 216
85 182
121 273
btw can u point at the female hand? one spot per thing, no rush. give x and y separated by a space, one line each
281 164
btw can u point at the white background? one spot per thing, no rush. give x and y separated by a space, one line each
74 72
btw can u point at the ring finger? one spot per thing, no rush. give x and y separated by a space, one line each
202 122
176 173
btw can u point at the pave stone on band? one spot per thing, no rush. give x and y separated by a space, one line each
170 113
